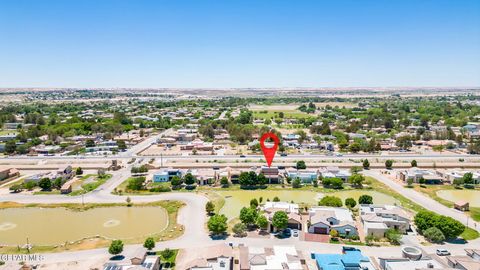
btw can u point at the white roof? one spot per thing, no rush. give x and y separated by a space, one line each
411 265
375 225
289 207
279 259
341 213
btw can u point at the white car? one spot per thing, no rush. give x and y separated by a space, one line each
442 252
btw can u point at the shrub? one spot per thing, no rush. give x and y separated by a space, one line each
116 247
239 229
296 183
450 227
136 183
393 236
434 235
167 253
160 189
330 201
350 202
388 164
365 199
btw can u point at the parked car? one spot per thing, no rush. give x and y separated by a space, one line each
242 156
442 252
283 154
287 233
295 233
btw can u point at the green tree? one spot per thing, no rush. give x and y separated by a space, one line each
333 182
393 236
366 164
45 184
209 208
276 199
413 163
409 182
468 178
189 179
116 247
450 227
296 183
389 164
262 222
217 224
301 165
356 179
404 142
434 235
365 199
79 171
350 202
176 181
458 182
149 243
57 183
10 147
248 216
253 203
261 179
16 188
136 183
224 181
302 135
330 201
334 234
280 220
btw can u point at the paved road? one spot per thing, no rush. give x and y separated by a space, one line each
131 153
421 199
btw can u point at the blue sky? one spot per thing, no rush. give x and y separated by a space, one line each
258 43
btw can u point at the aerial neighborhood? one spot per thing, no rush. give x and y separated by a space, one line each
179 180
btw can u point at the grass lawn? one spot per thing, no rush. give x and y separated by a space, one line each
379 186
168 262
470 234
123 189
88 187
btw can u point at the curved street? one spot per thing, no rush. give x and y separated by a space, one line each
193 217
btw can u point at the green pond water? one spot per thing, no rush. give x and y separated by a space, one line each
235 200
51 226
455 195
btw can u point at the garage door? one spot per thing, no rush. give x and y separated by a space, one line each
320 230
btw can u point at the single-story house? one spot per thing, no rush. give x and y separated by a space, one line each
324 219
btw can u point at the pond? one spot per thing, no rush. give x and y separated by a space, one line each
455 195
52 226
235 200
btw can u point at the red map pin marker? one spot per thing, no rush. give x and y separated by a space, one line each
269 152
